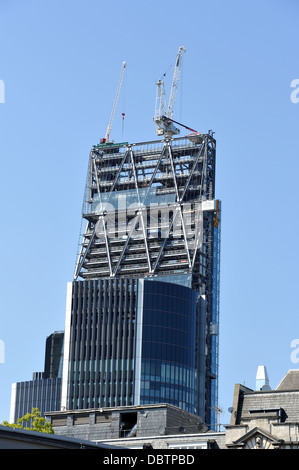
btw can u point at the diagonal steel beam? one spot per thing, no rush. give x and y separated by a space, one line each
97 179
83 256
165 239
185 235
192 170
178 209
119 171
157 166
198 238
156 169
173 171
178 199
140 212
125 245
106 242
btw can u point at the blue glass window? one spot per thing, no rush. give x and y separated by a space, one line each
168 352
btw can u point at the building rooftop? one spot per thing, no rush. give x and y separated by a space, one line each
290 381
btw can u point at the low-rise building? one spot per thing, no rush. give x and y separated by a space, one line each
125 422
265 418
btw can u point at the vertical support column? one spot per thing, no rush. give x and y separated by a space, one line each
13 403
66 347
138 353
201 356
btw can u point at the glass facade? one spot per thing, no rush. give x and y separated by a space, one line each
215 320
44 390
168 345
40 393
110 322
181 279
101 332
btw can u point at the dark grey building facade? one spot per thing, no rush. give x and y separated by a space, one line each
39 392
44 390
132 342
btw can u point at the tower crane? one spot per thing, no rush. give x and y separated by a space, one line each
106 138
162 110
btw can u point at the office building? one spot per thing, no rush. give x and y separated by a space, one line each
142 310
44 390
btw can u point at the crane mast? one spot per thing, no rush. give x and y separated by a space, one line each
175 82
109 127
164 127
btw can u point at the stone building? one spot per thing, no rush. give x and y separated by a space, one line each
124 422
266 419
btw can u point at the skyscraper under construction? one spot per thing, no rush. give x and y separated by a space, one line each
142 310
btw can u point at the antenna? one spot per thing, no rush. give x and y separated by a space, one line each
218 411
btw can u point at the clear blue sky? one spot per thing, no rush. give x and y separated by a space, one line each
60 62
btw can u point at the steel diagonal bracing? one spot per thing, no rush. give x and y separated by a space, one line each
178 211
83 255
119 170
156 168
82 258
102 218
140 214
180 206
165 239
173 171
96 177
110 192
172 168
136 219
80 255
198 239
192 170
